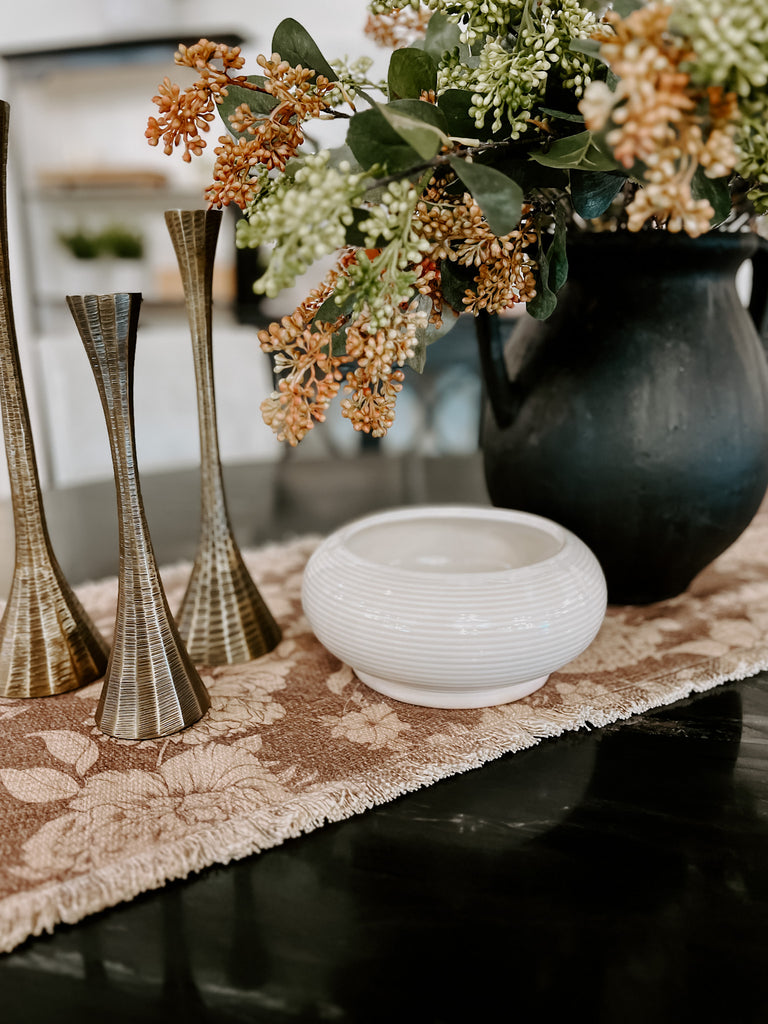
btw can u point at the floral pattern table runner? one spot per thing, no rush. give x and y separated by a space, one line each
294 740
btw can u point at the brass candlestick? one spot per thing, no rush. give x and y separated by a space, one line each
151 687
223 617
48 644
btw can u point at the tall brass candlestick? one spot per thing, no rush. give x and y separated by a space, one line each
48 644
151 687
223 617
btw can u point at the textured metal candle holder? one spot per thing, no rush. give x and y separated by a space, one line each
223 618
48 644
151 687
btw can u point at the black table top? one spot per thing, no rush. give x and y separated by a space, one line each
618 874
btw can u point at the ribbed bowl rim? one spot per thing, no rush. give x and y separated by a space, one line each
337 542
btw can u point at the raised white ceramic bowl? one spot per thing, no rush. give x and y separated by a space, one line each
454 606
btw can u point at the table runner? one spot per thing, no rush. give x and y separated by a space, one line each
294 740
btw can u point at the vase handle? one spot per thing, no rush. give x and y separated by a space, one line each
504 396
758 300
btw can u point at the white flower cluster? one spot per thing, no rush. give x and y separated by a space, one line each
386 6
515 65
506 85
382 280
305 215
352 75
392 220
477 18
730 41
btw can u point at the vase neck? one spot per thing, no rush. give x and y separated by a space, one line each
622 255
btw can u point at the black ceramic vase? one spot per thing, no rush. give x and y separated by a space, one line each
637 415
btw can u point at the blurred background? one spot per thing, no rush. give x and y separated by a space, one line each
86 202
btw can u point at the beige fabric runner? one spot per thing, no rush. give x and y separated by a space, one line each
294 740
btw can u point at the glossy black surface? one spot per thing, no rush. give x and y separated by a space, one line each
619 874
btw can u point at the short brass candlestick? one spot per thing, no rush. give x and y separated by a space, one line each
151 687
223 617
48 644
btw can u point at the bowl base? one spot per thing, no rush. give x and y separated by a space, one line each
434 697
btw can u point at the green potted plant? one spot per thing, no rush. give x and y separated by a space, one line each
506 133
80 244
121 243
104 260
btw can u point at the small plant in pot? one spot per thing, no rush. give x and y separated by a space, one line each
121 243
113 241
503 136
104 260
81 244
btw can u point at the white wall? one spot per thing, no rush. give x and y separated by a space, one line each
336 25
110 127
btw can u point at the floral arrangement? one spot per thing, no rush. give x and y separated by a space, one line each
501 126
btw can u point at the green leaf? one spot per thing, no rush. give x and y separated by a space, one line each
442 35
593 192
258 102
411 71
425 336
527 27
583 151
499 197
528 175
455 281
418 110
556 254
599 157
343 154
373 138
562 115
589 47
418 360
625 7
567 152
330 310
339 343
544 301
455 104
421 135
716 191
374 141
294 44
552 270
353 234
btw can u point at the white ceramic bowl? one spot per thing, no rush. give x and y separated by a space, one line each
454 606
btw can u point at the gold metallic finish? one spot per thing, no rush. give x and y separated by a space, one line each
151 687
223 617
48 644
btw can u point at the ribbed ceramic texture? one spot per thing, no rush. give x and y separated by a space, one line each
48 644
151 687
223 618
453 638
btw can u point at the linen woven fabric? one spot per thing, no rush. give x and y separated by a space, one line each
293 740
